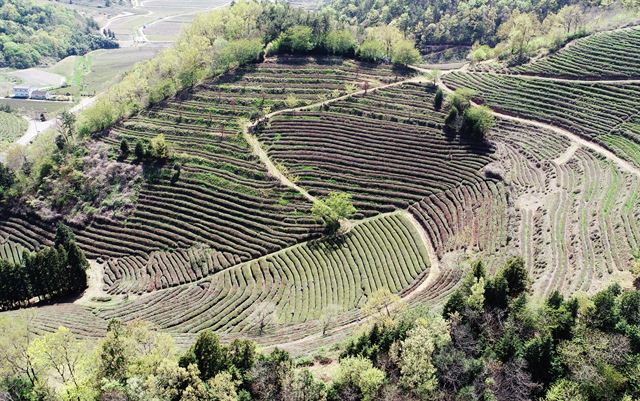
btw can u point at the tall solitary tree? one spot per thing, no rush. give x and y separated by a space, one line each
333 209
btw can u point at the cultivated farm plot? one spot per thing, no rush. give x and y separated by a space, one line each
612 55
573 214
294 286
11 128
33 108
603 113
38 78
106 66
168 29
279 298
386 148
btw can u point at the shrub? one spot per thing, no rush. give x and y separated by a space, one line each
477 122
481 53
124 147
451 118
460 99
139 150
438 99
159 148
340 42
405 53
297 39
371 50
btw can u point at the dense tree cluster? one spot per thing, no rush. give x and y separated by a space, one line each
443 21
31 32
379 44
470 122
491 343
47 274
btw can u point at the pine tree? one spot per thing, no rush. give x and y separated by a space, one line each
64 235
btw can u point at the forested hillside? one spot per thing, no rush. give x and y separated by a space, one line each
33 33
515 24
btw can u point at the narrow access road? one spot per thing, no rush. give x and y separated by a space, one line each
37 127
95 283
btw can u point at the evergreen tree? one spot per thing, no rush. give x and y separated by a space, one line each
64 235
139 150
210 355
438 99
124 147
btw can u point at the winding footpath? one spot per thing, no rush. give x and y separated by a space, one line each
574 138
577 142
343 331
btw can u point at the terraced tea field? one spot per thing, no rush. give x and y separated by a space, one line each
386 148
225 228
575 213
604 55
297 283
604 113
229 242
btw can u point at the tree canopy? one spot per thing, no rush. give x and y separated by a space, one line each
32 31
333 209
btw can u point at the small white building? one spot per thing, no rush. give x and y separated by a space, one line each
21 92
39 94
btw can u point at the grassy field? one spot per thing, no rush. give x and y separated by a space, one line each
99 69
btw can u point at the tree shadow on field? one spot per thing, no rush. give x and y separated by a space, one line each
154 170
401 70
329 242
480 147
